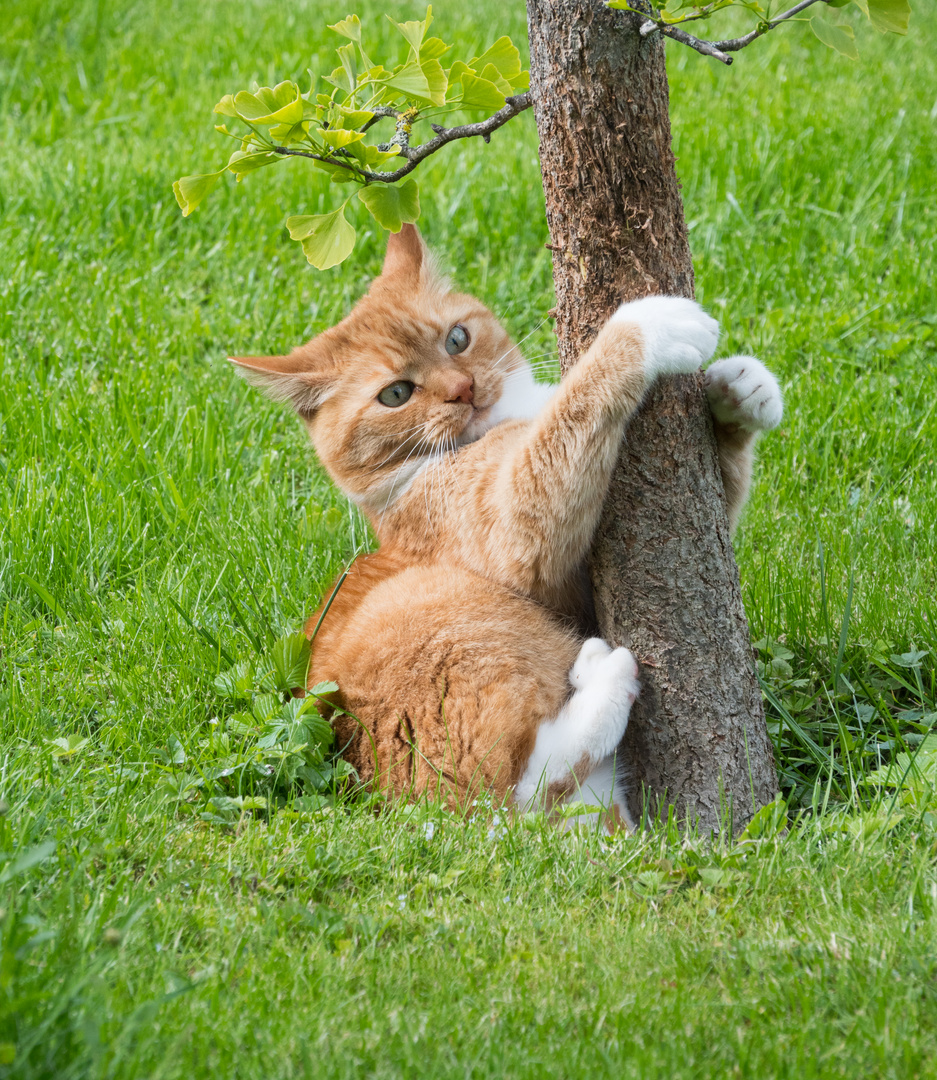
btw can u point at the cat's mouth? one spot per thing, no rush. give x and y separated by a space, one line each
477 424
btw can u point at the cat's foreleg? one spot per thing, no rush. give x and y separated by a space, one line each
745 399
545 500
586 732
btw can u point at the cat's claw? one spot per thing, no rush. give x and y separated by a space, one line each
678 335
741 390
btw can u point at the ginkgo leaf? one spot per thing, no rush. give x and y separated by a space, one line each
890 15
410 81
503 55
339 137
837 35
280 105
349 28
190 190
327 239
414 31
480 93
392 204
241 163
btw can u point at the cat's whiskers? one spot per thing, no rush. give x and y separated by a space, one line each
393 484
516 347
409 433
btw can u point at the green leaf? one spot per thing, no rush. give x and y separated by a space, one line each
374 157
241 163
837 35
910 659
490 73
432 48
339 174
346 53
65 747
323 688
237 682
392 204
265 707
327 238
339 137
352 118
410 81
226 106
455 73
436 81
190 190
890 15
503 55
349 27
280 105
480 93
414 31
290 655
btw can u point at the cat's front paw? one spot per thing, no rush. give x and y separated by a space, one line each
741 390
678 335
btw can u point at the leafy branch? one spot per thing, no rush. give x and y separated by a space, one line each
888 16
330 128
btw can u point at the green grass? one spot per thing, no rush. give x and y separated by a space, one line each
146 491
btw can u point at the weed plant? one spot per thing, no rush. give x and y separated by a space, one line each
164 531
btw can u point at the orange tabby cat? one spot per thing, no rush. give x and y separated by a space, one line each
453 644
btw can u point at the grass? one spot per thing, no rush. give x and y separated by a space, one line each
158 520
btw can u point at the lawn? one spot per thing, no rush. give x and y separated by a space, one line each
160 520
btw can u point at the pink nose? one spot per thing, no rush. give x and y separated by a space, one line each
462 389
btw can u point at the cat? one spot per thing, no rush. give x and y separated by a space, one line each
455 644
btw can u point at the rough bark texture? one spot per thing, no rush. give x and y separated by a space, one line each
663 569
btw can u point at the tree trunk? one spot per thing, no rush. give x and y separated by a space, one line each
663 569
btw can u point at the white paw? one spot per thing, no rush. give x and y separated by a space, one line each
593 651
619 673
741 390
678 335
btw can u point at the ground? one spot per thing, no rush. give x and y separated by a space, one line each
158 520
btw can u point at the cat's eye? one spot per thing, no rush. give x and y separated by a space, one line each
457 340
397 393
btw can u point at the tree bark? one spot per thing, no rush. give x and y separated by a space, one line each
663 569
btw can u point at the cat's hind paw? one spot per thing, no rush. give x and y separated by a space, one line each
593 652
614 670
678 335
741 390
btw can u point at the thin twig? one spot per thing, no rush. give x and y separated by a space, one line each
380 111
719 49
734 44
707 48
416 154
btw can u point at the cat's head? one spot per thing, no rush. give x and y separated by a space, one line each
414 371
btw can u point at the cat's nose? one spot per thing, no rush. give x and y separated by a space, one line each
462 389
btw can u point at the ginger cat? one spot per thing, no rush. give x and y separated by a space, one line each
454 644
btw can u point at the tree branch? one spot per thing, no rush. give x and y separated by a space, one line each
707 48
734 44
719 49
415 154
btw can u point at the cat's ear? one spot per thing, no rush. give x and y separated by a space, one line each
410 264
304 378
405 254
